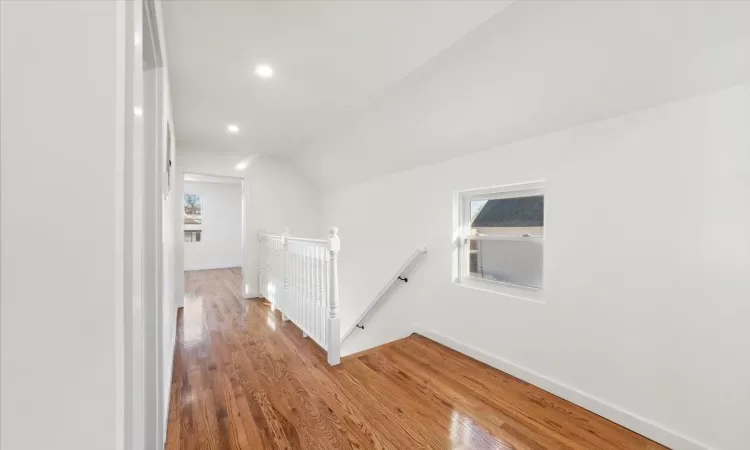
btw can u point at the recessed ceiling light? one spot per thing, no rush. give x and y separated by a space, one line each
242 165
232 128
264 71
138 111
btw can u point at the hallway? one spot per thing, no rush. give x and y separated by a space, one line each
243 379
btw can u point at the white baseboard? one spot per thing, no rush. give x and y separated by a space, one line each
167 381
212 267
614 413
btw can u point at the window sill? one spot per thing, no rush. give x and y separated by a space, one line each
529 294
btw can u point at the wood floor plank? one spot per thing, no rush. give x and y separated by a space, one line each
512 413
244 379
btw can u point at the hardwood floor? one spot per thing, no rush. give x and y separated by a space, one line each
243 379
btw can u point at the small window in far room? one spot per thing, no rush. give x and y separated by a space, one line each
192 235
193 217
502 241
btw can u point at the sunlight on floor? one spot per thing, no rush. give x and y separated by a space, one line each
467 434
193 319
271 322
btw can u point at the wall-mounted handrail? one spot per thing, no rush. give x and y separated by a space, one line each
399 276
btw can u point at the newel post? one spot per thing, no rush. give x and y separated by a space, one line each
334 332
285 275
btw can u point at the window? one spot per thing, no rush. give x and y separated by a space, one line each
192 235
502 236
193 217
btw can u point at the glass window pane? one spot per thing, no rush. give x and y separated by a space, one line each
516 262
192 236
516 216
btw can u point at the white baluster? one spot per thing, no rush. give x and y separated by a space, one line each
308 316
293 287
287 281
323 294
291 281
304 288
284 297
316 287
296 283
298 313
323 311
313 329
334 334
303 315
325 264
307 289
311 298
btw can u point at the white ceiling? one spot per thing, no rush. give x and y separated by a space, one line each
368 88
539 67
330 58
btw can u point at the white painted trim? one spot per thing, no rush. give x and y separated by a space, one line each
535 187
514 291
166 394
152 248
462 218
135 174
169 260
121 411
221 266
505 237
632 421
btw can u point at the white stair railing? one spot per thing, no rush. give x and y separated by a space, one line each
399 276
299 276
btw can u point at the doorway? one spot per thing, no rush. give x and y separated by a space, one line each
212 220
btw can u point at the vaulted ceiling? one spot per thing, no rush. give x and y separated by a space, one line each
330 58
365 88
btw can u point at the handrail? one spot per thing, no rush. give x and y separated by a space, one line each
307 240
293 239
398 276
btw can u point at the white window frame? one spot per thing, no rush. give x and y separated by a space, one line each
463 204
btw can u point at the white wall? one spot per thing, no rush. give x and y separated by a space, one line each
61 120
645 307
277 196
221 238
